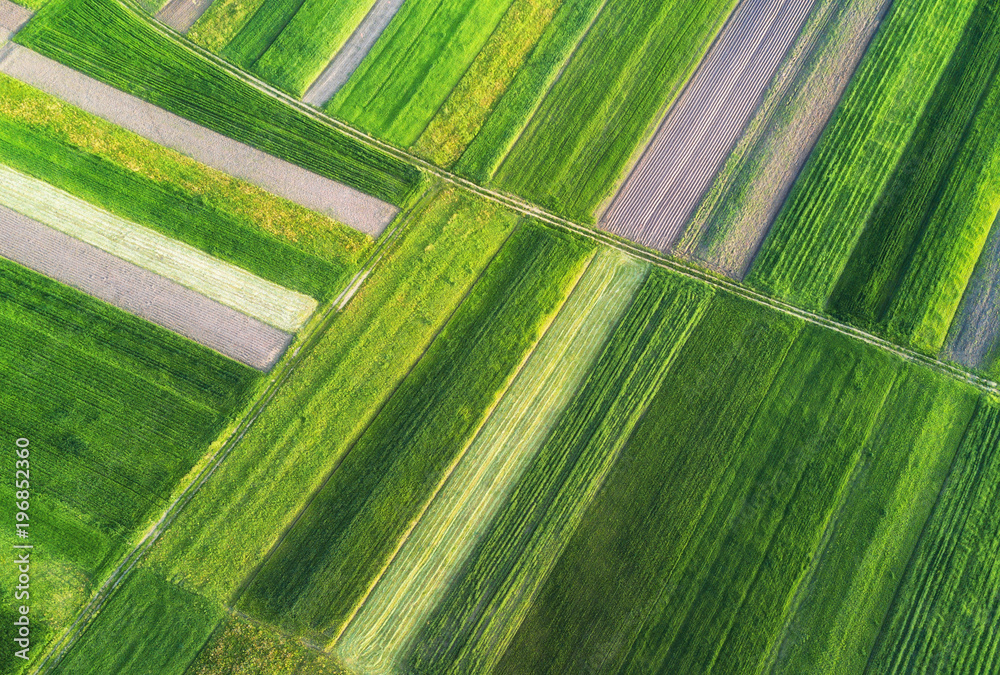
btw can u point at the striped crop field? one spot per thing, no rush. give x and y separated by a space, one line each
913 216
227 530
213 278
349 532
387 622
116 411
112 43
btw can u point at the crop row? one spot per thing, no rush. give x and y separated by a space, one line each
349 532
112 43
385 626
369 348
479 614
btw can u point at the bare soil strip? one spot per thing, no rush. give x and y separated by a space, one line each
139 292
701 128
350 56
182 14
342 203
975 330
12 16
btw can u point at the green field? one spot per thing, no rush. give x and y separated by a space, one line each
834 197
594 118
410 71
477 617
221 22
313 581
158 628
117 412
110 42
918 250
390 618
224 534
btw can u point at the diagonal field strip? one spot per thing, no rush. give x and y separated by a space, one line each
342 203
699 131
182 14
216 279
345 62
139 291
410 587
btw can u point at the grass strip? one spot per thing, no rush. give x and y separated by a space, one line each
351 529
110 42
386 625
221 22
471 627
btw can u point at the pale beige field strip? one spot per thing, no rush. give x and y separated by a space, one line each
378 637
138 291
341 202
216 279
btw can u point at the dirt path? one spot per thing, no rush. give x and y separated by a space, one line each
140 292
342 203
975 330
350 56
700 129
182 14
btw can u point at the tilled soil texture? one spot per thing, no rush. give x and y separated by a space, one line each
699 131
139 292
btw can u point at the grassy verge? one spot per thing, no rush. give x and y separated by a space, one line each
225 532
468 105
942 617
410 71
317 31
471 627
314 580
136 179
386 625
112 43
813 236
581 138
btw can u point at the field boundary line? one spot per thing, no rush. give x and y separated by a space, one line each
245 584
57 650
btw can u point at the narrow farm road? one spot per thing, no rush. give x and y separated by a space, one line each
182 14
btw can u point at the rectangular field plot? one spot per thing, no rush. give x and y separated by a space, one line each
163 256
117 411
352 528
693 141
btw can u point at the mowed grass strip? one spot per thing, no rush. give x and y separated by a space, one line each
813 236
581 138
473 624
314 580
112 43
159 188
484 83
415 64
239 515
149 626
918 249
312 37
213 278
649 507
833 623
386 625
942 617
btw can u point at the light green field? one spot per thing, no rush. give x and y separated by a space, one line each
390 618
213 278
